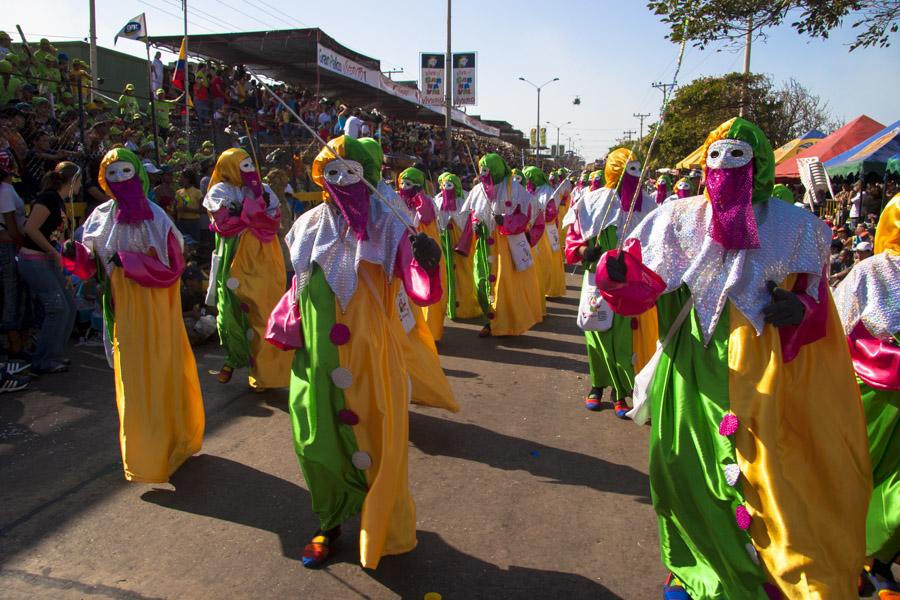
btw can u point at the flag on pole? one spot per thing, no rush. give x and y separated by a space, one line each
134 29
179 76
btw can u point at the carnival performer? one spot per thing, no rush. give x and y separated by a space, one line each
564 201
663 185
458 244
746 425
867 301
596 223
411 186
247 275
506 280
136 253
548 249
349 386
682 189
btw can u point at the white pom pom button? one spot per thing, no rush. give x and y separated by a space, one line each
342 378
232 283
361 460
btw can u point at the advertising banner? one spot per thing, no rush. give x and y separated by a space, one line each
465 84
431 79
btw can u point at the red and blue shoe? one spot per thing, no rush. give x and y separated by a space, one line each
883 586
592 402
316 552
673 590
621 409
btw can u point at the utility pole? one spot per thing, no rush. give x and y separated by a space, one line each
187 82
641 116
448 97
628 133
666 89
558 127
390 72
92 53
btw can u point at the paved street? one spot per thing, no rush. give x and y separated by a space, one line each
523 494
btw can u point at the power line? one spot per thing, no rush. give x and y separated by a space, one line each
277 18
248 15
179 17
196 12
278 10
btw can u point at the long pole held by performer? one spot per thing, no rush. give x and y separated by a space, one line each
448 96
187 82
152 93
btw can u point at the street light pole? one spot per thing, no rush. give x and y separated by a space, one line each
537 132
558 127
448 99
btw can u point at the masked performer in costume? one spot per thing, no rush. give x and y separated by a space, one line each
136 252
663 184
759 466
458 244
867 301
505 276
349 389
548 250
411 186
615 344
247 275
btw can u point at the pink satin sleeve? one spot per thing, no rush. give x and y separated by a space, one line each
284 330
812 327
226 224
537 230
425 209
422 287
551 212
151 272
574 243
641 288
876 362
82 266
255 218
465 239
516 222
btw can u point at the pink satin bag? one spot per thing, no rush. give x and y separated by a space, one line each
641 288
284 330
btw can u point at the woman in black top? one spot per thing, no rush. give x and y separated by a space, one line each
46 229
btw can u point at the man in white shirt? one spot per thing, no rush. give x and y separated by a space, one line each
353 125
856 201
156 73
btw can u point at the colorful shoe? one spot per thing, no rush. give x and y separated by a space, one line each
225 374
673 590
621 409
885 589
592 402
316 552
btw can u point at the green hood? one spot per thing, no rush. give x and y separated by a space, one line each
414 175
499 169
374 150
783 192
536 176
457 184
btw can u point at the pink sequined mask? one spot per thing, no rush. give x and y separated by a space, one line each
132 206
449 197
488 183
626 192
661 192
353 201
730 192
251 180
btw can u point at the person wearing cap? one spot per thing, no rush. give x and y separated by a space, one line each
207 152
128 104
10 84
867 303
45 49
164 111
862 251
52 75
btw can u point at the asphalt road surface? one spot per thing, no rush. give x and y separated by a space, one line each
522 494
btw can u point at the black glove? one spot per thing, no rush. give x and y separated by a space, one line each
498 219
114 259
616 268
68 249
426 251
235 210
591 254
786 308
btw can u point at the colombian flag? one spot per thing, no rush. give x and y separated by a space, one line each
179 77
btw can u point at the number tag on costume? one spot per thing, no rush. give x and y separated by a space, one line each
594 313
520 250
553 237
404 311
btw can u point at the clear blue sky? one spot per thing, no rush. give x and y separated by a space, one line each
606 52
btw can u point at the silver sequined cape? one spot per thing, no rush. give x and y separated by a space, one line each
484 209
103 237
675 245
322 236
871 293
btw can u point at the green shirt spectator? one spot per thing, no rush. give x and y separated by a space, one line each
9 83
128 104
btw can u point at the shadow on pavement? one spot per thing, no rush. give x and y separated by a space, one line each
441 437
223 489
435 566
